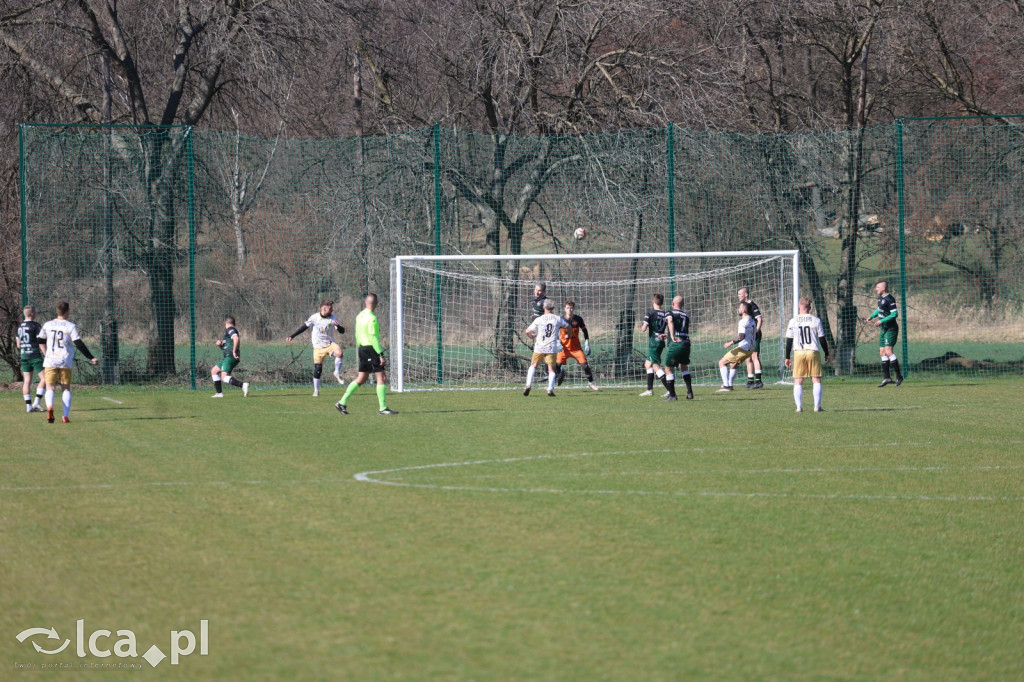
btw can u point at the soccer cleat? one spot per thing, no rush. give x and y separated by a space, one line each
316 393
885 382
758 384
526 391
245 389
670 398
689 396
28 408
593 386
750 383
724 389
819 409
37 408
899 380
49 415
665 394
217 395
387 411
551 394
341 408
646 393
800 409
337 375
65 420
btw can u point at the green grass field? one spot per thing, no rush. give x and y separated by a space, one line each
495 537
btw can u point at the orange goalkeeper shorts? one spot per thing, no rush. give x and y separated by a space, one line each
564 355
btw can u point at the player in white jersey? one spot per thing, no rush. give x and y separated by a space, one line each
743 347
546 346
323 324
58 340
805 340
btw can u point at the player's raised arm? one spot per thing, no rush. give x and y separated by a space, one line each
235 342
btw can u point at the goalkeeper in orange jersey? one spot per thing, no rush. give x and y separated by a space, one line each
571 348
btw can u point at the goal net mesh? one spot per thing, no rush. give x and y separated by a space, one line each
460 323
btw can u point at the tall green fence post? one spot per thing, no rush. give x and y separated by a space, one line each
670 149
438 310
191 257
901 213
24 214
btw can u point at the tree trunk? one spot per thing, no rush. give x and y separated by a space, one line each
160 251
846 347
627 316
111 354
507 357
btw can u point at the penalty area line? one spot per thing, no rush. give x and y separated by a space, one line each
113 401
373 477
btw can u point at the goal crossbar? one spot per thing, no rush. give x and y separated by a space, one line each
397 307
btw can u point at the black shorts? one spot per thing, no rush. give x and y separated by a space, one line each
370 360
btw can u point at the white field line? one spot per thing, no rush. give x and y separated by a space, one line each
373 477
170 484
113 401
747 472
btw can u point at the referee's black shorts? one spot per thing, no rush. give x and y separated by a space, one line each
370 360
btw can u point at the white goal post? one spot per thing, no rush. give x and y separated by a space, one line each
457 322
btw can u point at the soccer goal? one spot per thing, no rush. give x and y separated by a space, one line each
457 322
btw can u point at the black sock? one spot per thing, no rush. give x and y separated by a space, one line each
664 381
218 386
650 381
885 369
28 400
757 376
895 364
235 382
671 386
689 383
558 369
590 375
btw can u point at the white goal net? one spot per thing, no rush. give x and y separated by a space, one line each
458 322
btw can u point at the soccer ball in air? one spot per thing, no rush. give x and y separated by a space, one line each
580 233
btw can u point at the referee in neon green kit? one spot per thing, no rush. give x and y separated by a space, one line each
370 358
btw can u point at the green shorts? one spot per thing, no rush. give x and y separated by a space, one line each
32 365
655 347
228 364
678 354
757 343
887 337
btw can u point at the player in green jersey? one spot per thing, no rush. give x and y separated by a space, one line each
31 358
371 358
888 331
231 343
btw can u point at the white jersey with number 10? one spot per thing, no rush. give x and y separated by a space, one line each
805 330
547 327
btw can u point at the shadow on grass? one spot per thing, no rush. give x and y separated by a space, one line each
876 409
475 409
103 409
126 419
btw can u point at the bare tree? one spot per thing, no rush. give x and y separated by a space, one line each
214 48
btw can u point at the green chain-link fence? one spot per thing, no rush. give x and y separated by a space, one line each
154 235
